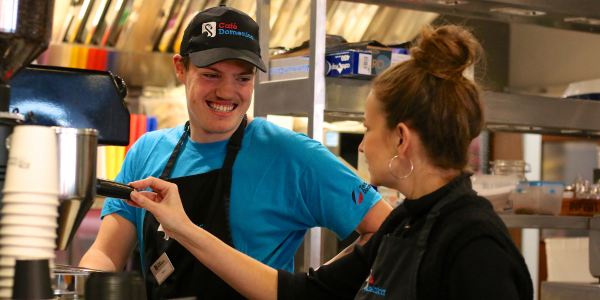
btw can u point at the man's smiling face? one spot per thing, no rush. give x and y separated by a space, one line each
218 97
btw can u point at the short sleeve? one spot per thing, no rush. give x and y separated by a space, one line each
336 197
126 175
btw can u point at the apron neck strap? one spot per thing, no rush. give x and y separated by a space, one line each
167 171
233 146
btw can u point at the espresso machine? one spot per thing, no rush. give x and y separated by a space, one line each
83 109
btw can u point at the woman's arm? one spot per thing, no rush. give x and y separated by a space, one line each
246 275
251 278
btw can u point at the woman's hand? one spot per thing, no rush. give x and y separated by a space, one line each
164 204
248 276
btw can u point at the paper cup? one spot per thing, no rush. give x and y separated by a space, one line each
7 282
31 231
44 221
32 160
29 209
28 241
29 252
6 292
33 198
7 261
7 272
32 280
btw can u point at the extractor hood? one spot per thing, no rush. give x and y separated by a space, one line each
578 15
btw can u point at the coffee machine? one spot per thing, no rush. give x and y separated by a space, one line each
85 108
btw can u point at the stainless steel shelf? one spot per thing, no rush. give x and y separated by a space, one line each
577 15
345 99
545 222
544 115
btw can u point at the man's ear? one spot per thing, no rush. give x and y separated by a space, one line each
180 70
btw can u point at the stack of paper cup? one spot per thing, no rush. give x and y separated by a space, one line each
30 204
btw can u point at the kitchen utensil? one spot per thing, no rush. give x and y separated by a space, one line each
69 281
113 189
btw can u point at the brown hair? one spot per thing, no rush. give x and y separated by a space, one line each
185 60
430 94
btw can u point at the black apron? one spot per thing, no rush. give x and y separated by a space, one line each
205 199
395 270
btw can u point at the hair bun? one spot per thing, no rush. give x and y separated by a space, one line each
446 51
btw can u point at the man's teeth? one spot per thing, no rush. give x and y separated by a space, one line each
221 107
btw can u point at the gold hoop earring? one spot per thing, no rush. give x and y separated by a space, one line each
401 177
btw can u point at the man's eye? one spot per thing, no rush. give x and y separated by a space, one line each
211 76
244 79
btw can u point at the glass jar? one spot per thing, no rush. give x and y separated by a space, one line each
510 167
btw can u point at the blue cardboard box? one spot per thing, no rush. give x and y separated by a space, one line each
349 63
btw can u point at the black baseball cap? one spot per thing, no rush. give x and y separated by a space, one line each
221 33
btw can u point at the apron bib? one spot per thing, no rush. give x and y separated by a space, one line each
394 272
205 198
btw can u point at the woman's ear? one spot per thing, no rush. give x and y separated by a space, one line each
403 136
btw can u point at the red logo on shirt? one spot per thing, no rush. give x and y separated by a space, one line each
357 193
354 197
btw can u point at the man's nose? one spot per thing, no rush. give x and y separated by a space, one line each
226 89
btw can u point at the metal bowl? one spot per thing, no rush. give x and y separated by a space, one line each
69 281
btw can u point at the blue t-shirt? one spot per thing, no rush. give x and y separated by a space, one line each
283 184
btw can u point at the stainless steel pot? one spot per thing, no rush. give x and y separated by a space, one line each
69 282
77 150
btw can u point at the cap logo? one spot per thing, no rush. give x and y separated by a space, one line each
228 25
210 28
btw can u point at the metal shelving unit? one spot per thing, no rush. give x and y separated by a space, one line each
320 98
577 15
344 98
546 222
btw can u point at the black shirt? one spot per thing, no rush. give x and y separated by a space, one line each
469 255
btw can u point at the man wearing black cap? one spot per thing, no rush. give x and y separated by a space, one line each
252 184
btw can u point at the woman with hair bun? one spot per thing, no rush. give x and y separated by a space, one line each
443 242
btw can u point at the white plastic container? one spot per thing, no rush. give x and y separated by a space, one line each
498 189
539 197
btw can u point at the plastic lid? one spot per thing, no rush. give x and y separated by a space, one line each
540 183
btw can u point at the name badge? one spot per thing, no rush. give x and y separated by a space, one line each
162 268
